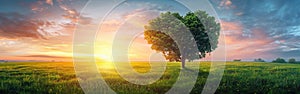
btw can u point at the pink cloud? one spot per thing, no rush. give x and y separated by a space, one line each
246 46
226 3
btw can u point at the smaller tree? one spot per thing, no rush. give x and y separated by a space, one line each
292 60
237 60
279 60
259 60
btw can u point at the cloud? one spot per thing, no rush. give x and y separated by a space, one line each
44 30
146 7
129 21
112 22
133 13
13 47
232 28
38 6
14 25
252 45
65 15
47 56
74 16
272 24
69 10
227 4
50 2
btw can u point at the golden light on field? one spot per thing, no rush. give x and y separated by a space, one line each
105 65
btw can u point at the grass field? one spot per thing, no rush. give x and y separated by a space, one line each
245 77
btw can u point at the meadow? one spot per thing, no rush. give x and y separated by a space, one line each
60 78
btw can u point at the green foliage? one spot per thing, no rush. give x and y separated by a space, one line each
162 30
292 60
169 47
259 60
279 60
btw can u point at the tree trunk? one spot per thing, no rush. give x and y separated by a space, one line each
183 62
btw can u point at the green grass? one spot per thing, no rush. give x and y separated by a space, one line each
239 77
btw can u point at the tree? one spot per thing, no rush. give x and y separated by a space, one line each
161 31
292 60
259 60
237 60
279 60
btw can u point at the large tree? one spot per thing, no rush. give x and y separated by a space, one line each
161 31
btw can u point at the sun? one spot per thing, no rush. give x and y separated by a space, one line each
105 58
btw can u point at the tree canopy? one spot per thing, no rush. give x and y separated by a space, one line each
169 34
292 60
259 60
279 60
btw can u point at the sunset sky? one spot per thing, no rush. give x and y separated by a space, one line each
43 29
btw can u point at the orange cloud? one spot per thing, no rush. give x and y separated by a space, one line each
50 2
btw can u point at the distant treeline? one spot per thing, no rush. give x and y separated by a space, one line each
281 60
277 60
3 61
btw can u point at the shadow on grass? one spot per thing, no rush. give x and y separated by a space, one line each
190 70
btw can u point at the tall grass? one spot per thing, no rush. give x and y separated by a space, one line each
239 77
